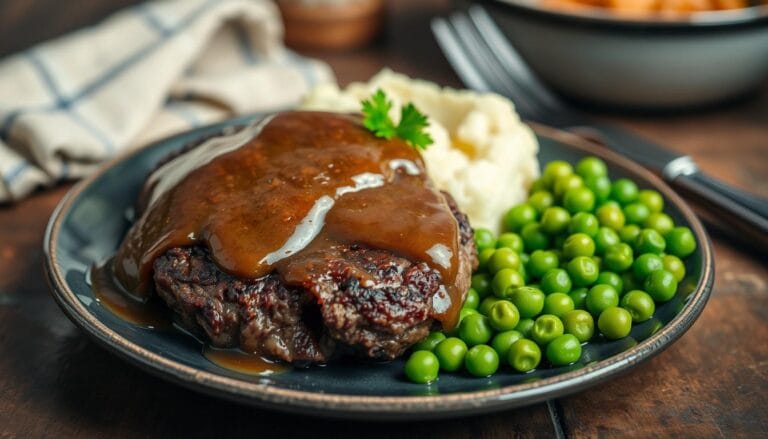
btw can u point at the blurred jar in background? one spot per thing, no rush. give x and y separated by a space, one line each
331 24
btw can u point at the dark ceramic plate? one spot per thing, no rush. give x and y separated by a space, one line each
90 222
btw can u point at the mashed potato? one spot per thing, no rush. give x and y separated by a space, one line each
483 154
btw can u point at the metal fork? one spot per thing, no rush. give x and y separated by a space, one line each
485 60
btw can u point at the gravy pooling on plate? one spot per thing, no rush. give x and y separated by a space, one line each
280 195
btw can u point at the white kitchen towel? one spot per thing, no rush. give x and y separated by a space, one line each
144 73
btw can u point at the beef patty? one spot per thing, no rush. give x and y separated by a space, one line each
367 300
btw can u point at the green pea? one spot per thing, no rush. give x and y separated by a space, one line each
475 329
610 216
559 241
583 271
601 297
578 244
503 258
605 239
481 361
610 203
591 167
600 186
652 200
636 213
624 191
661 222
674 265
580 324
504 316
614 323
429 343
558 304
523 272
450 354
519 216
556 280
579 199
524 355
525 326
481 283
462 314
630 282
555 220
503 340
534 237
564 350
639 304
511 241
661 285
598 261
556 169
541 262
484 238
483 256
422 367
472 300
610 278
541 200
485 306
585 223
645 264
538 185
546 328
650 241
579 297
681 242
529 301
618 257
505 281
629 233
564 184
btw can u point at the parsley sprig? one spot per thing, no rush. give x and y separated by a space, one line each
412 122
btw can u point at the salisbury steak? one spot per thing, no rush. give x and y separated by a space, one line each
367 300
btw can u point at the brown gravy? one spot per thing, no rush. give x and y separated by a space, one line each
150 314
278 196
156 316
242 362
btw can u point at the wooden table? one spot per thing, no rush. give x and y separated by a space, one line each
713 382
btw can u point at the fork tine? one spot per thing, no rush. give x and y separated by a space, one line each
510 60
485 65
456 56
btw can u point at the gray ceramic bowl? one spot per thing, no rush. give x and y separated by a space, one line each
90 222
638 63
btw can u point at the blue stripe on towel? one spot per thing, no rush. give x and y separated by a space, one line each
304 65
16 171
247 51
185 113
64 174
95 131
64 104
140 54
153 21
47 78
8 119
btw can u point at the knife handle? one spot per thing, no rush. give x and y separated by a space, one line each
735 218
754 202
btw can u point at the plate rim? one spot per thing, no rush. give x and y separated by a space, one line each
384 407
